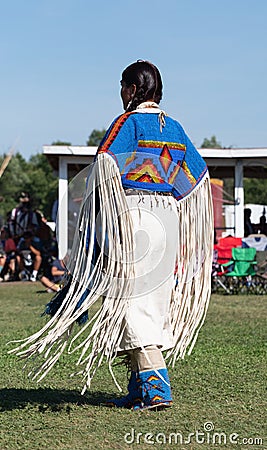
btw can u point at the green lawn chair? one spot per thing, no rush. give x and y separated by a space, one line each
242 263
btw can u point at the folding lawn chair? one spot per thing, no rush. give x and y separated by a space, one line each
224 248
217 278
222 255
241 269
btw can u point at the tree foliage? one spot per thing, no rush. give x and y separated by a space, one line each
255 190
35 176
96 137
61 143
211 143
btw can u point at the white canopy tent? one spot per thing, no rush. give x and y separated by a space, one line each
67 161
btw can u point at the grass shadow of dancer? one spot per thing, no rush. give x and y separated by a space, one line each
47 399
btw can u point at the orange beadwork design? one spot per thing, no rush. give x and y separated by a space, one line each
145 172
165 158
153 378
156 398
114 132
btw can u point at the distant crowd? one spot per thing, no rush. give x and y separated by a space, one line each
28 247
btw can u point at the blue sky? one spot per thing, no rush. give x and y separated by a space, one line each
61 62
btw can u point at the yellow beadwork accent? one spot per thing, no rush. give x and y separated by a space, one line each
160 144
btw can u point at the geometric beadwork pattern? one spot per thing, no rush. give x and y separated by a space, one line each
145 172
173 165
165 158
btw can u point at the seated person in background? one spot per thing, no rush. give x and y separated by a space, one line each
44 232
54 275
10 269
2 263
29 243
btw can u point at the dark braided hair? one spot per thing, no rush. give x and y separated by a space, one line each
148 82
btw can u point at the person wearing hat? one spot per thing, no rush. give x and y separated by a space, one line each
22 218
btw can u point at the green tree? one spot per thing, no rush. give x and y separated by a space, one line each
211 143
13 181
43 183
255 190
35 177
96 137
61 143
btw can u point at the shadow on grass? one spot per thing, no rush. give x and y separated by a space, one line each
43 292
46 399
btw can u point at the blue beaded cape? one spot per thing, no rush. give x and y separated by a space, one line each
154 158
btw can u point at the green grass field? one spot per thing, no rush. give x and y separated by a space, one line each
219 391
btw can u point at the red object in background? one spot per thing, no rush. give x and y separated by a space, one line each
10 245
224 248
217 200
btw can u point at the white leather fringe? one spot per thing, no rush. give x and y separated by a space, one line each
110 276
192 292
